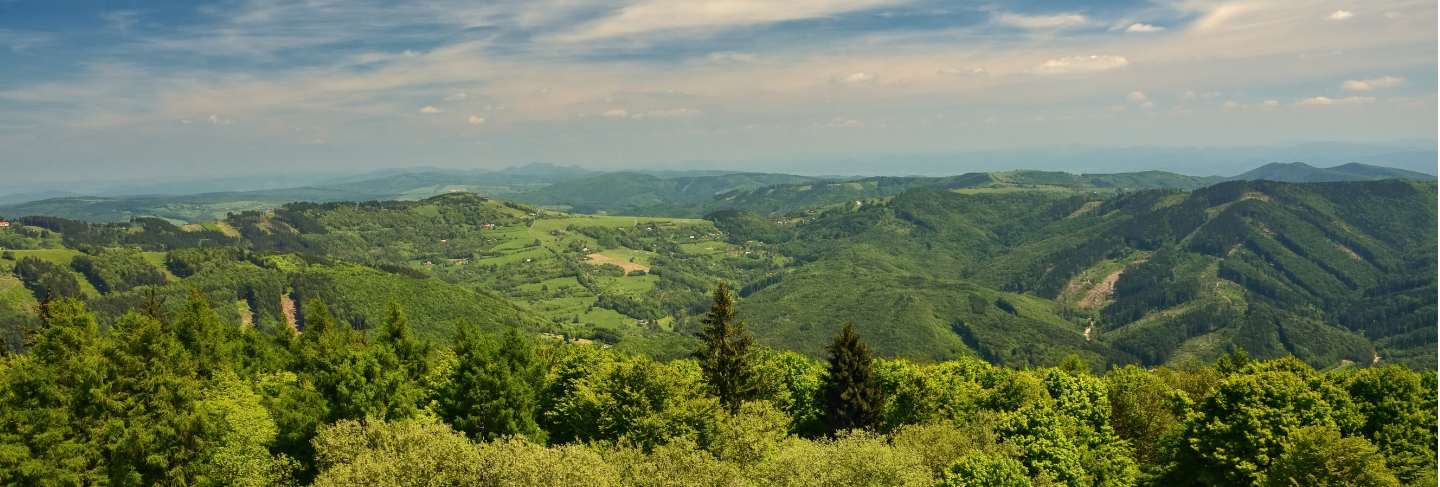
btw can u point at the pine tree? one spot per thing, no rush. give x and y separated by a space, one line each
396 334
493 389
725 353
208 339
852 398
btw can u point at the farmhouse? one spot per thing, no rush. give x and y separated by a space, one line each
4 223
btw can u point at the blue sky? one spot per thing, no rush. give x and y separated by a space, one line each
115 89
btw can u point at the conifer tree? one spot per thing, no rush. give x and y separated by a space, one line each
851 395
398 336
493 389
725 353
205 336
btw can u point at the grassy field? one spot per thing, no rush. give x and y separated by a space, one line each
563 299
57 256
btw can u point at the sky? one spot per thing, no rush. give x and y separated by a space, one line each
114 89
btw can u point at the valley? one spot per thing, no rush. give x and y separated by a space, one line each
1020 268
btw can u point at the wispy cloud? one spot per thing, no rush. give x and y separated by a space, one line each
1373 84
1040 21
1142 27
674 16
1321 101
1081 64
19 40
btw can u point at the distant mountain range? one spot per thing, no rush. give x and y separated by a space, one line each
669 193
1299 172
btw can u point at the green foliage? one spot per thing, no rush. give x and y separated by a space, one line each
981 469
491 392
395 453
113 270
1234 434
725 353
852 398
1145 411
47 280
631 400
1319 456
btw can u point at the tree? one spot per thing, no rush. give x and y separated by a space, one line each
852 397
979 469
1398 419
725 353
1317 456
151 431
1143 410
208 339
1236 432
493 388
47 410
398 335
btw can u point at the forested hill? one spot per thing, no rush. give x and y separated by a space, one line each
1016 269
1299 172
1328 272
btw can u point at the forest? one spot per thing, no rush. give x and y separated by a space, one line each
971 333
178 395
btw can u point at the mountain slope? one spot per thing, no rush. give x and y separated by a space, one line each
641 193
1329 272
1299 172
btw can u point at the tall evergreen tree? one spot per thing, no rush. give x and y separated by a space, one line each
206 337
725 353
852 397
396 334
493 388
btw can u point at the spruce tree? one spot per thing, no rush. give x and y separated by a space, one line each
397 335
852 397
725 353
493 389
205 336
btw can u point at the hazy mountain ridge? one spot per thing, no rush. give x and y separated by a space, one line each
690 193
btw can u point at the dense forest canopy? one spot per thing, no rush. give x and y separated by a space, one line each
187 397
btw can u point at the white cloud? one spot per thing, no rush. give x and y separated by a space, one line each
1141 27
1373 84
845 123
428 109
668 113
615 113
1220 16
650 16
461 96
1041 21
1233 105
858 78
1341 15
1270 104
1137 97
475 120
215 119
1081 64
1320 101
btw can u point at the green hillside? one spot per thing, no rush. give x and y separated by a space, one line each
1299 172
634 193
1159 276
1019 268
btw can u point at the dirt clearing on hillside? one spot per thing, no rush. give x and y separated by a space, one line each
601 259
1101 293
